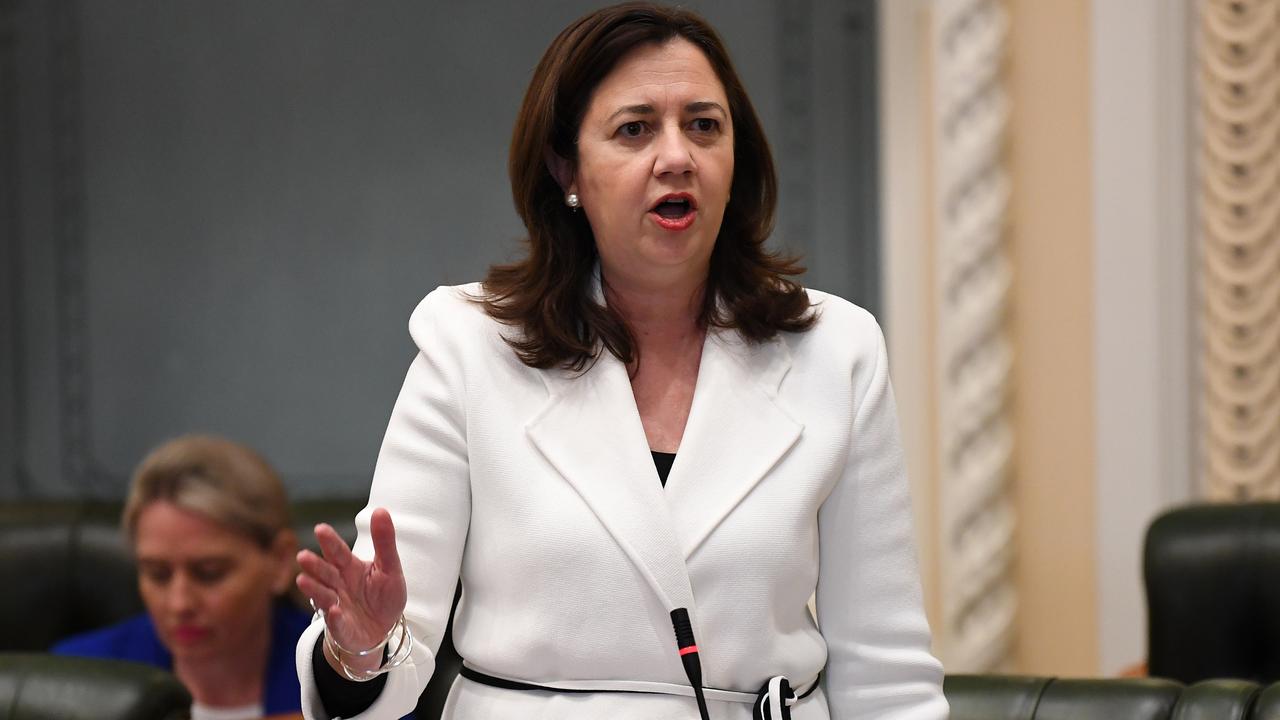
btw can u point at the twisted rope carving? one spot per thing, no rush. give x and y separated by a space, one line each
974 353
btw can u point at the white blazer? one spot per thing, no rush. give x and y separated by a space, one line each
539 489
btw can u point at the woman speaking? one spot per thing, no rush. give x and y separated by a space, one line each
642 448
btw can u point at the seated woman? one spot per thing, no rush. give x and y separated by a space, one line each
208 522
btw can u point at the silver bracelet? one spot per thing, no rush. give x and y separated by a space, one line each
403 647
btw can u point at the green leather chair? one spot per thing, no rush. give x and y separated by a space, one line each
69 560
44 687
1212 574
1267 706
1011 697
65 570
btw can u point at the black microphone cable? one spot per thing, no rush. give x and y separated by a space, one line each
689 657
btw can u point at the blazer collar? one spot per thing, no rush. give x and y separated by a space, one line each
735 434
590 431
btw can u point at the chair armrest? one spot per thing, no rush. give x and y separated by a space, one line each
41 686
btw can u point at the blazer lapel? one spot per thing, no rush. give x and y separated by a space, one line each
590 431
735 434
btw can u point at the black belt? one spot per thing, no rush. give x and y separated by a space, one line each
772 702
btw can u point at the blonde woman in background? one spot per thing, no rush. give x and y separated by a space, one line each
208 522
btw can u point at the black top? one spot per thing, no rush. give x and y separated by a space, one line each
662 461
343 698
339 696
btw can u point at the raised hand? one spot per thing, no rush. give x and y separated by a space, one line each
361 600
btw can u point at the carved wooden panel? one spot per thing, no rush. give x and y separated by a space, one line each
1239 158
973 353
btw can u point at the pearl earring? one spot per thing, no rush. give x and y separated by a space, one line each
572 201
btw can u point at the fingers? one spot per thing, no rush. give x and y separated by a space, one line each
383 533
334 547
324 598
319 569
319 581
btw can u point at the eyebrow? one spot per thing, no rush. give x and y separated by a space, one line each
645 109
705 105
149 560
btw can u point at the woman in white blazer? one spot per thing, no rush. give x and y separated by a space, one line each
642 448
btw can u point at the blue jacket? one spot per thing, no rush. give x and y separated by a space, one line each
136 639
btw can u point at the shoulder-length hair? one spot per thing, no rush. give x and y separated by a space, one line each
549 293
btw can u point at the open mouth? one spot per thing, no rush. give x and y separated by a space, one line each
675 212
672 209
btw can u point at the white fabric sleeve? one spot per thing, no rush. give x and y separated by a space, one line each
869 601
422 479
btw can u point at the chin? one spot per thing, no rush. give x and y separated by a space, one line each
190 651
678 251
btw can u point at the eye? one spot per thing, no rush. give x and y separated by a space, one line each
633 129
209 573
155 573
705 125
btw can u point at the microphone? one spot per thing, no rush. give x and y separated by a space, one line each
688 648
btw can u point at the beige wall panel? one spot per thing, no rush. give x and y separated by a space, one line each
1053 334
904 100
1145 378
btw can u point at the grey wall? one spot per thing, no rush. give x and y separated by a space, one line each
217 216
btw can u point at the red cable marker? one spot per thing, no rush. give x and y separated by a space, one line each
689 657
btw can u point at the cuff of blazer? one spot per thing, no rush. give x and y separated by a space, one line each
398 698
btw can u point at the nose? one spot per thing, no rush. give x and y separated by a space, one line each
181 597
674 154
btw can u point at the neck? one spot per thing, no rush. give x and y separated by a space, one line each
658 315
228 681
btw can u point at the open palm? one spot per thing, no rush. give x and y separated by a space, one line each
361 600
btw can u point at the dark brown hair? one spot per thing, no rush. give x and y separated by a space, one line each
548 294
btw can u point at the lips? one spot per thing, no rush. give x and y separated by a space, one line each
674 211
187 634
